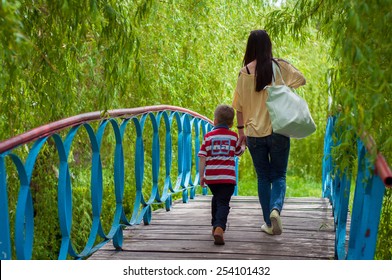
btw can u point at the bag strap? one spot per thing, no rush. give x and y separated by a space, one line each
275 70
247 69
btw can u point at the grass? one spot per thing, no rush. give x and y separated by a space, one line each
296 187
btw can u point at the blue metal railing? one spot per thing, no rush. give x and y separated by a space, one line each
190 129
371 181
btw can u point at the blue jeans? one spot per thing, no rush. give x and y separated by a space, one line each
270 156
220 208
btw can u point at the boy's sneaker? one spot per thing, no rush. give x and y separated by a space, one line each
218 236
276 222
266 229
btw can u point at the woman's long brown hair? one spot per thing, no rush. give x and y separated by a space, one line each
259 48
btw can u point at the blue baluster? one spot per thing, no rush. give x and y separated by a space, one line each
5 237
367 205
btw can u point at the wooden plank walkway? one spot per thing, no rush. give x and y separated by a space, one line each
185 233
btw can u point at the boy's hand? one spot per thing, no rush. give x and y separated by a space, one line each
202 182
242 150
242 139
240 146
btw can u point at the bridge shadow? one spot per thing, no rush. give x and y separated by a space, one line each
185 233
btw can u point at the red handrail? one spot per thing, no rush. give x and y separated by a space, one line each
383 170
381 166
53 127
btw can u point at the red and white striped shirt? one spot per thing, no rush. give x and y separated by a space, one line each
219 148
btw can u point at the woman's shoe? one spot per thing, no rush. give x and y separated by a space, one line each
276 222
267 229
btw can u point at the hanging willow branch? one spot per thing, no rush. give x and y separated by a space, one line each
65 56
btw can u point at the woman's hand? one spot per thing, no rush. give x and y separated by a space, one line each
241 127
242 137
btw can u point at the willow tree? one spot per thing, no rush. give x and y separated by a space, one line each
190 54
68 57
58 59
64 57
360 79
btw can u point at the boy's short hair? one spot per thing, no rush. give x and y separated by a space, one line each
224 114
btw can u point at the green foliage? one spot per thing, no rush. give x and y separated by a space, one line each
359 78
115 54
360 73
65 57
297 186
194 63
384 242
58 59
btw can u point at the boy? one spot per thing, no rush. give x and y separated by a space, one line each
217 167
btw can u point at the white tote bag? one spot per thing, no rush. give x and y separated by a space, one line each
289 113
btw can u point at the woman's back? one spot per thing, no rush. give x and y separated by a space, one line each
252 103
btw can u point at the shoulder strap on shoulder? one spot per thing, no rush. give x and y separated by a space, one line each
247 69
276 69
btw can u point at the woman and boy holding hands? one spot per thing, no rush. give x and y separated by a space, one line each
269 150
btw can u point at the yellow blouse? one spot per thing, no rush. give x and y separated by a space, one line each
252 104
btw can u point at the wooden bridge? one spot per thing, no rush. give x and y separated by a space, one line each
185 233
312 230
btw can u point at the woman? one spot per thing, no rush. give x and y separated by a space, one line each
269 151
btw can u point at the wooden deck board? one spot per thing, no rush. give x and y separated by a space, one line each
185 233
